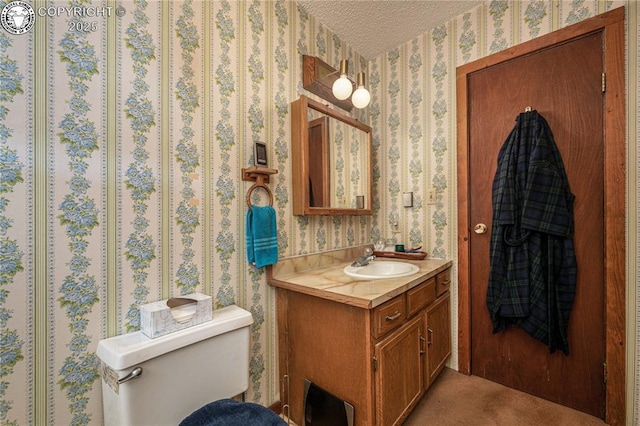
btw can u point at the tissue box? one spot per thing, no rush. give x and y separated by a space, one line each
178 313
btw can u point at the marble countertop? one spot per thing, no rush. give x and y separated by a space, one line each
322 275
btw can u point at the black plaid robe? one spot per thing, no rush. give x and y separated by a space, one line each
532 279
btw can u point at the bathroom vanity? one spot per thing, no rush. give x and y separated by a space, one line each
378 344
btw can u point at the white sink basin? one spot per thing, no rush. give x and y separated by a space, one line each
381 269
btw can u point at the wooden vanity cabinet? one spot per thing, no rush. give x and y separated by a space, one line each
380 360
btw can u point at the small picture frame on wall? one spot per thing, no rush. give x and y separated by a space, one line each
260 154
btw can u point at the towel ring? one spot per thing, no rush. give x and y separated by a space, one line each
256 186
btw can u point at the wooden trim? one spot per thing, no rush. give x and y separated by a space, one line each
332 112
612 25
580 29
282 303
464 227
615 215
300 171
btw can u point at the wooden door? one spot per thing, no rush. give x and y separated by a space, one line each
564 84
610 26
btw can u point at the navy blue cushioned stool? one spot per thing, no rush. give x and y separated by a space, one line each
229 412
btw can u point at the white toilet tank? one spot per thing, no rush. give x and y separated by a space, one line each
180 372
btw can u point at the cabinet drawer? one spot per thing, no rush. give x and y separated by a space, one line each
443 280
420 296
389 315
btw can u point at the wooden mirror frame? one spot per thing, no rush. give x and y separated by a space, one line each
300 160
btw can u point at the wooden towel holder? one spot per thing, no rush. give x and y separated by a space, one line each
259 175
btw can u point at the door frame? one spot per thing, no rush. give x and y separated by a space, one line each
612 26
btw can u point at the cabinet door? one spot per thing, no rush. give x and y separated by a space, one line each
398 377
438 337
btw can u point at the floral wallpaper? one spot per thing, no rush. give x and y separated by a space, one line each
122 143
77 214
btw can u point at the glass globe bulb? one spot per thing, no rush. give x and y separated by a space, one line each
342 88
361 97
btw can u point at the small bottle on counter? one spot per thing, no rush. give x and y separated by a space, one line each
390 244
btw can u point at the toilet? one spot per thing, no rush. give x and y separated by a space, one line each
163 380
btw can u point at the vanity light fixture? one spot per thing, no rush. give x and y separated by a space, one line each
335 86
343 87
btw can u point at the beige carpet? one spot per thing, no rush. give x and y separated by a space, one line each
460 400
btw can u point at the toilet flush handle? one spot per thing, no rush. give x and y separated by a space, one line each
135 373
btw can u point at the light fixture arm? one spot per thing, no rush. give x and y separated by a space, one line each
344 67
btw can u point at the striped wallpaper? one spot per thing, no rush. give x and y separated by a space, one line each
122 148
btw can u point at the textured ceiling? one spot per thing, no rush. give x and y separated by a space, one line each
373 27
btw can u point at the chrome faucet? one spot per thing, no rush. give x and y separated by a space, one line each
365 258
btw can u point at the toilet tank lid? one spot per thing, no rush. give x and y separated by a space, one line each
128 350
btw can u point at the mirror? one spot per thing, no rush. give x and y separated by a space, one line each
331 157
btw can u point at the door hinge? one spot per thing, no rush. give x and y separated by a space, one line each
604 82
375 363
604 368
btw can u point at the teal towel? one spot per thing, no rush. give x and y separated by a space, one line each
262 236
